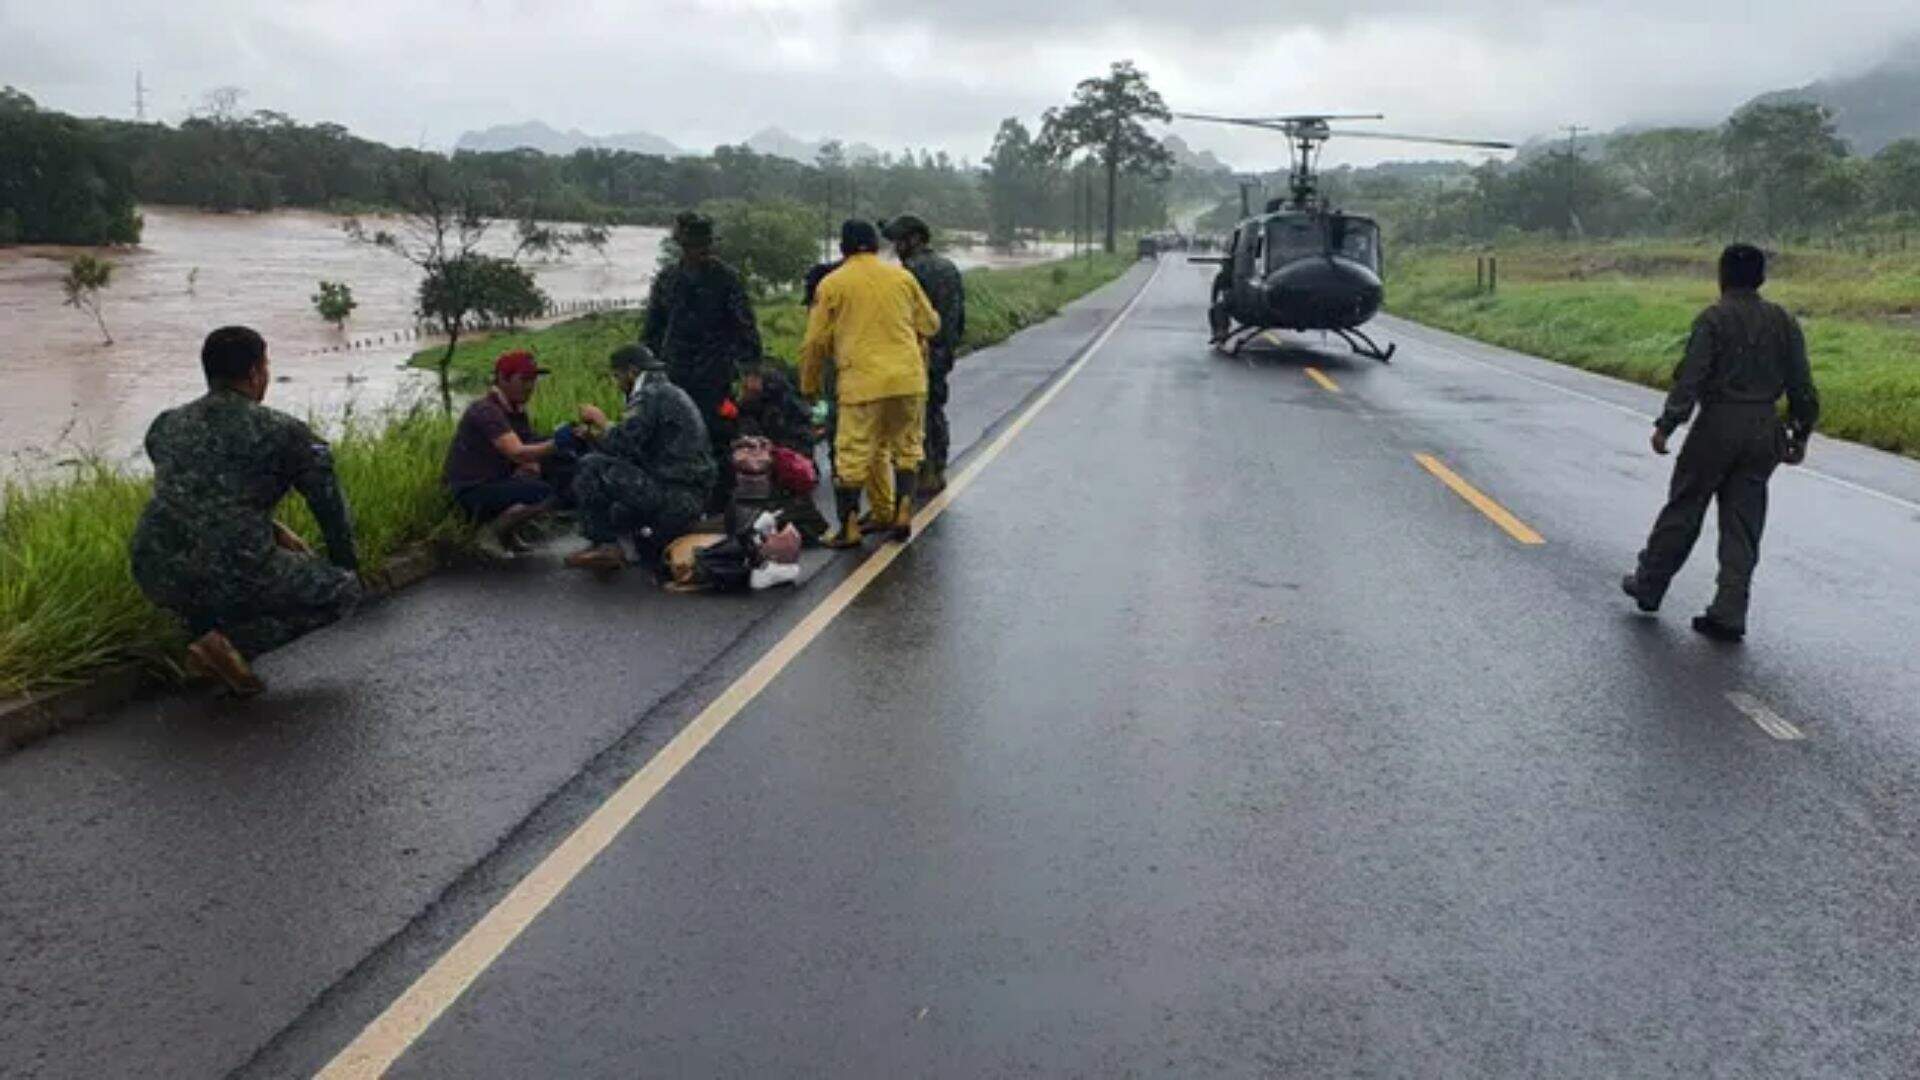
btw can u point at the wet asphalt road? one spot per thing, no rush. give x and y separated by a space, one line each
1207 733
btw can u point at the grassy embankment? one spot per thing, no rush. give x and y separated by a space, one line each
68 605
1624 309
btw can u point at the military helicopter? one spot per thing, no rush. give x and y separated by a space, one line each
1304 265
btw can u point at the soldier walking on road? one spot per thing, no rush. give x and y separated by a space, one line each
700 323
1743 355
941 281
207 547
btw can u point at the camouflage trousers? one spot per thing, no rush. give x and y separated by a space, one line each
617 498
939 436
290 595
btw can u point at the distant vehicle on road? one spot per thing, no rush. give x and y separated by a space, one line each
1303 264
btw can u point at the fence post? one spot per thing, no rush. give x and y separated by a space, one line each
1493 274
1480 273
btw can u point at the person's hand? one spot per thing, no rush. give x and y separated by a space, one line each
290 540
1796 452
593 416
1660 441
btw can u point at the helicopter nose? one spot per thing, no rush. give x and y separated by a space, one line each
1324 294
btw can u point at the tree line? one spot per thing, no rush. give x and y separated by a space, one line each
65 179
1778 172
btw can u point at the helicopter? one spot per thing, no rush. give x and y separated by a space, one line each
1303 264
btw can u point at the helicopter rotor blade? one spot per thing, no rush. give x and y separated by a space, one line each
1261 122
1479 144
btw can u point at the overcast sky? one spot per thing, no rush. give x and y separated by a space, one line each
936 73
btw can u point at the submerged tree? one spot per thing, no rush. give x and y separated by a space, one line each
85 277
1104 120
335 302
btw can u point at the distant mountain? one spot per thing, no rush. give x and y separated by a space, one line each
535 135
1871 109
775 142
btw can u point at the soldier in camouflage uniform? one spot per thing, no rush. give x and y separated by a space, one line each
941 281
701 324
651 471
1745 353
207 547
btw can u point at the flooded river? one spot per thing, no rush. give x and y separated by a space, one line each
68 394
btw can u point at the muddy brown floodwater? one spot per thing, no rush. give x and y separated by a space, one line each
67 394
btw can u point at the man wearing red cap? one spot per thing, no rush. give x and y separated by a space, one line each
500 472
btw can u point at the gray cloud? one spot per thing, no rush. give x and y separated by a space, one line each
917 73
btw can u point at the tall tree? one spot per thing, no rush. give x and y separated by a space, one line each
1104 119
1779 154
1015 180
1896 177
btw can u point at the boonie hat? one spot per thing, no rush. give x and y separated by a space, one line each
904 226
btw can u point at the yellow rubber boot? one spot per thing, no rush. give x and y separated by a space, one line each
904 484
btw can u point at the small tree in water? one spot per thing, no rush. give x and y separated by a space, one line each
335 302
86 276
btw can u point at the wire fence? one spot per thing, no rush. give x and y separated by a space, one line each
422 332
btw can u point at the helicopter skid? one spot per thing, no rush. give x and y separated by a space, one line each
1360 343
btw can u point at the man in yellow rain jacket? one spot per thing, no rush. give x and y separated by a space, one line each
874 320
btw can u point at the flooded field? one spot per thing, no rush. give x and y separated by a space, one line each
68 394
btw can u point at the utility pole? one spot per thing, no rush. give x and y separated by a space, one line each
1573 156
140 96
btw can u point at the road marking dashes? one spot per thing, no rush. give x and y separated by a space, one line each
1496 513
1320 377
1761 714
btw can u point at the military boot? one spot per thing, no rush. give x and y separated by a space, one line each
213 656
904 483
933 481
846 503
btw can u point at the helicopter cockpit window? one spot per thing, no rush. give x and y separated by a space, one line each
1290 238
1362 243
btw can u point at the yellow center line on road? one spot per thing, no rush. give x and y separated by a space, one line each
1498 514
376 1048
1320 377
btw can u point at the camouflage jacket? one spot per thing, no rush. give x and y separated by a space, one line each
700 324
1743 351
663 434
941 281
221 464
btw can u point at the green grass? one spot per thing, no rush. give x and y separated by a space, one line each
68 604
1624 309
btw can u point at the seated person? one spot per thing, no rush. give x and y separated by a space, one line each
770 407
207 547
500 473
650 473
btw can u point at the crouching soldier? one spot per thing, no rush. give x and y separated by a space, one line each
650 472
207 547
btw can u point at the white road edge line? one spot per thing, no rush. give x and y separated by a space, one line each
381 1043
1769 721
1596 399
